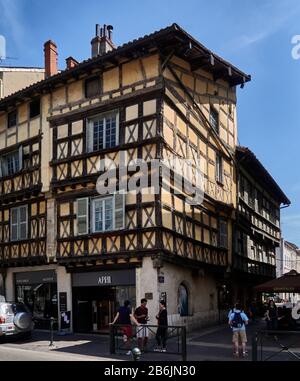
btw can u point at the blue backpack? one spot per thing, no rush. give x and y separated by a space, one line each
237 321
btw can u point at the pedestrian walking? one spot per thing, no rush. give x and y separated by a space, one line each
238 321
124 317
141 315
162 330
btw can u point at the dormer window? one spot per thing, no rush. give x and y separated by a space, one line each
12 119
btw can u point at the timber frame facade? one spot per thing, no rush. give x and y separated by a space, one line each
162 96
257 231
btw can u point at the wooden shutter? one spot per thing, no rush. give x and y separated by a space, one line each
14 224
119 210
23 222
82 216
20 158
89 135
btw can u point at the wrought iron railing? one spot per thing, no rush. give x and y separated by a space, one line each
277 345
175 339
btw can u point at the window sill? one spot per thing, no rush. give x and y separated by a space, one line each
221 183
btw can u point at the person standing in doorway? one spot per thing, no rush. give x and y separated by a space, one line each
124 317
238 321
141 315
162 330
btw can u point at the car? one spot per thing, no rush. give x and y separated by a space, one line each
15 319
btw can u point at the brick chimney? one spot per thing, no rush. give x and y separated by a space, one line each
102 42
50 53
71 62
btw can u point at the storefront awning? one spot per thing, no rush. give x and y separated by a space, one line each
289 282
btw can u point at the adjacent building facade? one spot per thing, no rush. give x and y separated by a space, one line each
13 79
288 259
64 246
257 231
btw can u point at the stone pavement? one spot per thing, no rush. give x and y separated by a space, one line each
209 344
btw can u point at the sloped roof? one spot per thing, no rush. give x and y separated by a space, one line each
170 37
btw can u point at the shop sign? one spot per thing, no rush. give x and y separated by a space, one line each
104 278
35 277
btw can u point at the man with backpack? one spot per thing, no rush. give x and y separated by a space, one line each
238 321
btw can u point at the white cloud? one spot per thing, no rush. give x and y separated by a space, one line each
265 21
12 20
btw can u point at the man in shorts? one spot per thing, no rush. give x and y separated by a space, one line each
238 321
141 315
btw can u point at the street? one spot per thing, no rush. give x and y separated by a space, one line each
206 344
9 353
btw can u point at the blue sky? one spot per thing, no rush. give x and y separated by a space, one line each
254 35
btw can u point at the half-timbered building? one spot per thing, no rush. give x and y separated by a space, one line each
162 96
257 231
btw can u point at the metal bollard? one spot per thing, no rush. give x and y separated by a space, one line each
254 346
51 331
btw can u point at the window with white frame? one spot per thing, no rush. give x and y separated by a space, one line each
11 163
103 132
106 214
19 223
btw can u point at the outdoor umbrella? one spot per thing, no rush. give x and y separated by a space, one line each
289 282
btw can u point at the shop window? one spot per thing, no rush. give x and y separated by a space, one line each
103 132
19 223
11 163
183 300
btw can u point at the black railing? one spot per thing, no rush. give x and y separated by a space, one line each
276 345
174 337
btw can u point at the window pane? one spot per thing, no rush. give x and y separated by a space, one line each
23 231
108 214
214 119
14 216
23 214
82 225
11 164
98 134
14 232
98 210
110 140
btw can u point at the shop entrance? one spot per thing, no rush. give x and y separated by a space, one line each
95 307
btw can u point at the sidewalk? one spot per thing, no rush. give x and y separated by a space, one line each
209 344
